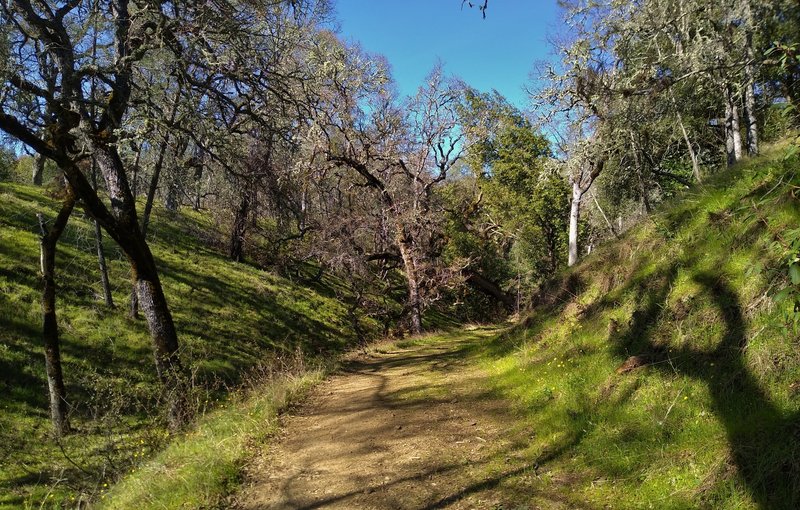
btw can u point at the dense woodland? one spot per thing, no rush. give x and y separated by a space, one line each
309 164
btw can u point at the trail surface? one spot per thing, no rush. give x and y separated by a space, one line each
400 428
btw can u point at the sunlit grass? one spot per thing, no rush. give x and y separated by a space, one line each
199 469
704 422
231 319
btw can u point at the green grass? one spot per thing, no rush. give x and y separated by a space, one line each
205 465
712 419
233 320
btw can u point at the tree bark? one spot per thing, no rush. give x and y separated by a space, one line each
733 134
689 147
580 185
239 229
133 311
108 298
38 170
171 202
126 231
101 254
198 176
603 214
120 221
159 164
412 280
749 86
750 116
737 130
52 352
574 217
154 307
153 187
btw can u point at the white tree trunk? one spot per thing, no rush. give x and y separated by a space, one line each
733 134
737 133
690 148
749 87
750 116
574 217
731 155
412 281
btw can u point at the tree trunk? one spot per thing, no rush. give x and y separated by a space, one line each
574 217
101 255
38 169
101 262
580 185
198 177
749 86
120 221
159 164
108 298
550 238
126 231
603 214
689 147
737 130
733 134
135 179
750 117
171 202
729 152
412 280
52 353
133 311
552 252
239 228
153 187
164 337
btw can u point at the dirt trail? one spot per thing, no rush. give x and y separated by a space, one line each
398 428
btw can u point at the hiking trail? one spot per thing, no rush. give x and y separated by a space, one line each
401 427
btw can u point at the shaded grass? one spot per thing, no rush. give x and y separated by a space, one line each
709 416
231 318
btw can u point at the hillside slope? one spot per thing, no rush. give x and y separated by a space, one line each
236 324
659 372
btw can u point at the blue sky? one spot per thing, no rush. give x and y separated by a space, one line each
493 53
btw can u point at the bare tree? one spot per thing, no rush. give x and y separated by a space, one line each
51 42
401 153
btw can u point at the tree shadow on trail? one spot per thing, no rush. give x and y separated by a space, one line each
763 456
764 443
443 479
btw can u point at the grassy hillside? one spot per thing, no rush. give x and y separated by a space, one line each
236 324
659 373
